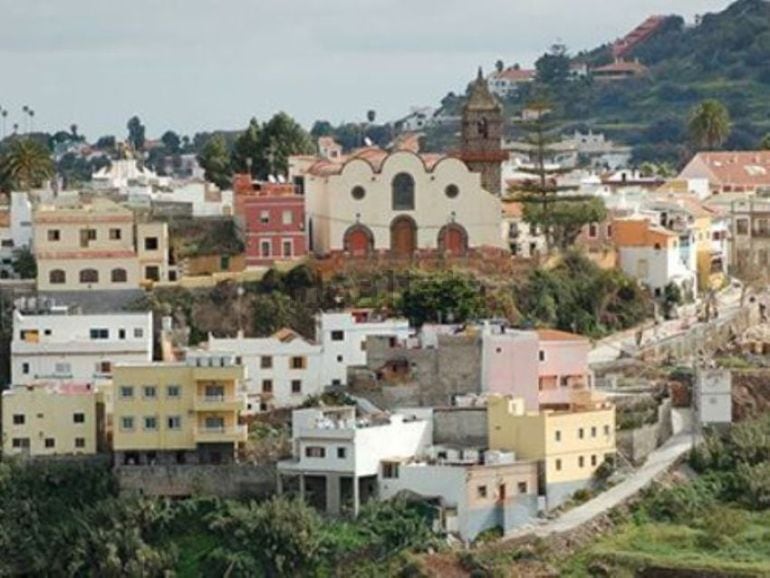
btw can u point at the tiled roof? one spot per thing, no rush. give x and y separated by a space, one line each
513 209
556 335
516 74
622 66
749 168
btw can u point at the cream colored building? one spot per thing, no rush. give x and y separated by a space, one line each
96 245
399 203
49 420
571 445
178 412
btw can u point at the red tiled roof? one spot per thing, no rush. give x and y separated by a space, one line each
622 66
748 168
516 75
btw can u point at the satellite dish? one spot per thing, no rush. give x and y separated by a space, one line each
368 142
281 179
271 178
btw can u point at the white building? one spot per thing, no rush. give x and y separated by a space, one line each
474 490
15 230
506 82
124 172
343 340
55 344
337 455
714 398
204 199
419 118
282 370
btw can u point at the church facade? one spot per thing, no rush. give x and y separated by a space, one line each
402 203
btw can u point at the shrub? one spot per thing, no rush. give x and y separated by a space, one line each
721 525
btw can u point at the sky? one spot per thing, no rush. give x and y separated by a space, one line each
195 65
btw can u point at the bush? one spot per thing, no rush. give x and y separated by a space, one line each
721 525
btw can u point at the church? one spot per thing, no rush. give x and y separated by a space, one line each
403 203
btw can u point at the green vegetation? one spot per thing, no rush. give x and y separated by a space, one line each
709 125
66 519
24 164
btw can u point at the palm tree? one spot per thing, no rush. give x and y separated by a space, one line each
26 164
709 124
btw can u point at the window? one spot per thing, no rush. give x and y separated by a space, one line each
315 452
18 419
390 470
150 422
298 363
25 368
593 432
742 226
592 230
558 435
339 359
62 368
80 442
54 235
541 355
264 248
149 392
172 391
78 418
287 217
358 193
150 243
174 422
89 276
481 491
99 333
266 362
338 335
127 423
581 461
90 234
296 386
115 234
50 442
127 391
593 460
20 442
580 433
264 217
523 487
267 386
121 333
287 248
152 273
557 464
341 453
103 367
606 430
57 277
403 192
138 333
119 276
452 191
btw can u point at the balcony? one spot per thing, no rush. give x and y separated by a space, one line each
220 434
219 403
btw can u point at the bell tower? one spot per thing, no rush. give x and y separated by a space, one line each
482 133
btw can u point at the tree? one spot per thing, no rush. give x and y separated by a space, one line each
565 218
553 66
499 66
371 116
709 125
106 143
765 144
214 159
171 141
136 133
248 154
24 263
321 128
442 298
25 165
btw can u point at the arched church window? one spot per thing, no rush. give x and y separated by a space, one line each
403 192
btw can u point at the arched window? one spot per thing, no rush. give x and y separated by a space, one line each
403 192
57 277
119 276
89 276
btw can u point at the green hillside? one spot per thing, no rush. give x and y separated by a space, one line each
726 57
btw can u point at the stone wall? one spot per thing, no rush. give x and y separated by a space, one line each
461 426
224 481
639 443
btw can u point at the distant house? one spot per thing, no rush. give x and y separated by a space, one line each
419 118
731 172
507 82
620 70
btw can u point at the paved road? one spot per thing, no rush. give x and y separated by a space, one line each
657 463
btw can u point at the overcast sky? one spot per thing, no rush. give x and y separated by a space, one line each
194 65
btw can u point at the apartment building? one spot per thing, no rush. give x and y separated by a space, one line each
50 420
57 343
179 412
570 445
96 245
337 455
283 370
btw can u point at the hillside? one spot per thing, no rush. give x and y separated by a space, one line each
726 56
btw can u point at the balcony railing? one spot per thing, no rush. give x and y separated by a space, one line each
216 434
219 402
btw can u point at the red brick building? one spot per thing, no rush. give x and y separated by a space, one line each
272 218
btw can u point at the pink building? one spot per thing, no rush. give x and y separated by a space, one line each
272 217
544 367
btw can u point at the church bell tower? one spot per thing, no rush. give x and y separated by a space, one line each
482 133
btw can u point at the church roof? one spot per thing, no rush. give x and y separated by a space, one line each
480 98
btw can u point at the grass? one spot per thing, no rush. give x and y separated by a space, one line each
193 548
633 546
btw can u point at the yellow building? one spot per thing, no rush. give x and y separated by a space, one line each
570 445
179 412
47 421
96 244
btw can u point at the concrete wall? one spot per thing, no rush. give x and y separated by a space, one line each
460 426
225 481
639 443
